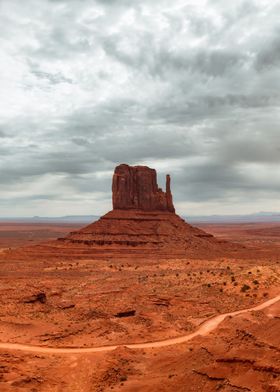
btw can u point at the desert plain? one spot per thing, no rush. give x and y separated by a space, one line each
85 303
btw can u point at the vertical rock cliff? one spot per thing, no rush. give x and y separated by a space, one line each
135 187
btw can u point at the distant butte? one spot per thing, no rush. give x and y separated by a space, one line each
143 222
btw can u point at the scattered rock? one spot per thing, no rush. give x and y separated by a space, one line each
128 313
66 305
39 297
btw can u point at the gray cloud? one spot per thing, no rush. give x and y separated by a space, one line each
269 56
191 88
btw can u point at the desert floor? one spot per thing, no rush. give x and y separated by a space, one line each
113 302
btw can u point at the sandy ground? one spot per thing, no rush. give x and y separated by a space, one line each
14 234
206 327
82 301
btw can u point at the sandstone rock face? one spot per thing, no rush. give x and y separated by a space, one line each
135 187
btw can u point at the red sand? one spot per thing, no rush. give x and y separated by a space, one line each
170 297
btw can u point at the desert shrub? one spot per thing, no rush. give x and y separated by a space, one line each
265 294
244 288
255 281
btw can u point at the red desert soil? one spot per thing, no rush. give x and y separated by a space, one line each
63 294
203 330
15 234
171 298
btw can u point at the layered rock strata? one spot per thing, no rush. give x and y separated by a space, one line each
142 222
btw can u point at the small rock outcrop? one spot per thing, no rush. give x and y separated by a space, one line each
135 187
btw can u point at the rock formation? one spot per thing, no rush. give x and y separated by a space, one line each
135 187
142 223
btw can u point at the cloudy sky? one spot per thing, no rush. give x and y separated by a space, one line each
189 87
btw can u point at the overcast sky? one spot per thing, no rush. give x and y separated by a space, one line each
191 88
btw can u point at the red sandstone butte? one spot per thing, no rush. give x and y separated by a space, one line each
135 187
143 223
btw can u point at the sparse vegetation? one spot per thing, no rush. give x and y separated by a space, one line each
245 288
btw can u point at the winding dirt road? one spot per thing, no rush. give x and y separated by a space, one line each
205 328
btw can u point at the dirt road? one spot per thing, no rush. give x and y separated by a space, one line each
205 328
